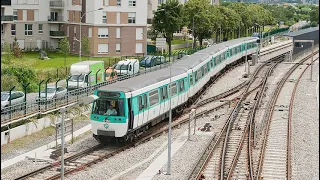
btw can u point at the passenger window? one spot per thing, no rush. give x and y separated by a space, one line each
191 80
212 63
199 73
173 89
140 103
145 101
205 70
164 93
153 97
202 70
182 85
196 76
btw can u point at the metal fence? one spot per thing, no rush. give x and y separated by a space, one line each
37 106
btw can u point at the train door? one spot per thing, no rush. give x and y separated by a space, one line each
131 115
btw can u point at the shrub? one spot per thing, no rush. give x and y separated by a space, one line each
8 81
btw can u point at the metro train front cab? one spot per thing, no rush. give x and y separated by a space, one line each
109 114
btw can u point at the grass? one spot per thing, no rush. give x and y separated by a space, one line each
56 60
23 141
179 41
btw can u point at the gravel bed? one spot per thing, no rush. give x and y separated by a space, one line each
305 129
38 142
21 168
184 160
128 158
228 81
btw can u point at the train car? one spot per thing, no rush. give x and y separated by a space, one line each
126 109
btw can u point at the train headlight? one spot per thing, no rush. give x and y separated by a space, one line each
107 121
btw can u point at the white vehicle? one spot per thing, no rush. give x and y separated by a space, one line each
127 67
79 74
53 93
17 97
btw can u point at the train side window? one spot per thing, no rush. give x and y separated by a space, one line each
145 101
208 66
196 77
205 70
153 97
173 89
181 85
191 80
164 93
140 103
212 63
202 70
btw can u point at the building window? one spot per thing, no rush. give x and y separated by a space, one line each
132 3
139 33
106 2
118 2
40 28
28 29
118 33
103 33
118 47
104 17
90 32
13 29
131 18
160 2
2 29
138 47
102 48
74 16
15 14
118 17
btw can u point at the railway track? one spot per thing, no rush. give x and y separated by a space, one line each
201 170
275 157
98 153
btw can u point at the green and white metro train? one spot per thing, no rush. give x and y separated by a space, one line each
126 109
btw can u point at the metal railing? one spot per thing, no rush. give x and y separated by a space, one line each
55 18
36 106
56 4
56 33
7 18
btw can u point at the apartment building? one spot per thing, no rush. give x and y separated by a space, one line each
118 29
153 6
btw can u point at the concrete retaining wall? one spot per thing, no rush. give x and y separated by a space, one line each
31 127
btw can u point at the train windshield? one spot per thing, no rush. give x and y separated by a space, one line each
109 107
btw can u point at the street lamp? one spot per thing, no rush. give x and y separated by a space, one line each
80 29
261 37
84 101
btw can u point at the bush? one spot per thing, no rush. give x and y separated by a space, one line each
23 75
8 81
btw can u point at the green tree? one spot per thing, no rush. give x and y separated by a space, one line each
7 53
199 13
152 33
64 47
230 21
169 20
16 49
314 15
85 43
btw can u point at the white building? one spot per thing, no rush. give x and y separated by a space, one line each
118 29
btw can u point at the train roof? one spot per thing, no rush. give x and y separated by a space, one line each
178 67
143 80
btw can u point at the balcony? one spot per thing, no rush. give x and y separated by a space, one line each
8 18
56 4
55 19
56 34
5 2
